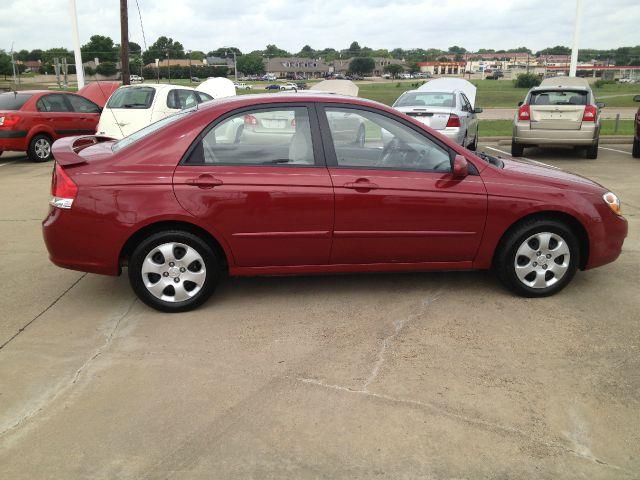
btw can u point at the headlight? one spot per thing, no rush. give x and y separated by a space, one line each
613 201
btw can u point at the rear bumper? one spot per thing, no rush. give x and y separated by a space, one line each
454 133
525 135
13 141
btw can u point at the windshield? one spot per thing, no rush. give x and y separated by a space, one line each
426 99
149 129
13 100
558 97
132 97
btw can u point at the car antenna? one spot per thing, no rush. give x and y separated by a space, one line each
110 109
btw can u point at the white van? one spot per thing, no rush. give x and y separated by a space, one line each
132 107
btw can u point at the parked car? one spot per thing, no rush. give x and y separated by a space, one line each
31 120
561 111
289 86
242 86
302 85
273 86
446 105
495 75
195 79
100 91
133 107
181 206
627 80
636 138
136 79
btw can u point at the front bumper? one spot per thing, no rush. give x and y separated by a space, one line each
607 236
525 135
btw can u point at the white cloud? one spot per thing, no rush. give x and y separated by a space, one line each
205 25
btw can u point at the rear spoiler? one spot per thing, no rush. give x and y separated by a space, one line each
66 150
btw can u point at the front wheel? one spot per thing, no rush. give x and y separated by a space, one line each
538 258
173 271
636 148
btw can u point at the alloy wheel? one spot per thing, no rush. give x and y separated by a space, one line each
42 148
173 272
542 260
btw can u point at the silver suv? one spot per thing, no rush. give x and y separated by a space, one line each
561 111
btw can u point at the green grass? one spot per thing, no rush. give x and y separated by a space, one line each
504 128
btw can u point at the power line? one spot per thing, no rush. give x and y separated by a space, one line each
144 40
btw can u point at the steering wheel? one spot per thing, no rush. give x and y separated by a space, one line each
388 151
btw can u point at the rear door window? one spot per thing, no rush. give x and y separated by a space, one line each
55 102
559 97
132 97
204 97
13 100
180 98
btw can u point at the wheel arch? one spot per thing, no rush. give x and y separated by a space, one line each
572 222
159 226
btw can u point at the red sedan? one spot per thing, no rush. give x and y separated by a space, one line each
265 184
31 120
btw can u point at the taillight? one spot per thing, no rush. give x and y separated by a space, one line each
524 113
63 189
250 120
590 113
293 123
9 121
454 121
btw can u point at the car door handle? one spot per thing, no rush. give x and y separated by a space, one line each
361 184
204 181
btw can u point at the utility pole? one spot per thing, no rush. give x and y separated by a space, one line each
124 43
76 44
576 40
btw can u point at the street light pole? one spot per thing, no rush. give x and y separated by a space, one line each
76 44
189 56
576 40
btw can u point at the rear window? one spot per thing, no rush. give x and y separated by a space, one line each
149 129
13 100
559 97
426 99
132 97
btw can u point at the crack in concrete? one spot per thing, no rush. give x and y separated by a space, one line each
24 327
438 409
398 326
61 390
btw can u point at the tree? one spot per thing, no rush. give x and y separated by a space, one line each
22 55
135 49
362 65
457 49
307 52
393 69
557 50
274 51
35 54
162 47
196 55
354 49
99 47
224 52
61 52
5 64
107 69
250 64
413 67
527 80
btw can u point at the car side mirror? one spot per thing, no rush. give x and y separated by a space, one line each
600 105
636 98
520 104
478 110
460 167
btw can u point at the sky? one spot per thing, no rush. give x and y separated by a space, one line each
290 24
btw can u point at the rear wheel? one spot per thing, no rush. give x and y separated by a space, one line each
516 149
174 271
538 258
592 151
474 146
636 148
40 148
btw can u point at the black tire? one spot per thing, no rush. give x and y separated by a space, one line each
505 257
516 149
592 151
474 146
636 148
211 265
36 153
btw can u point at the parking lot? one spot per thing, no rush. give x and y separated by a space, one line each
433 375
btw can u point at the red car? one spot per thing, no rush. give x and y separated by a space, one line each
636 138
193 196
31 120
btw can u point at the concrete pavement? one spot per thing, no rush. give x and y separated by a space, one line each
435 376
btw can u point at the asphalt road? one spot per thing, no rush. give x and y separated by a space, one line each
434 376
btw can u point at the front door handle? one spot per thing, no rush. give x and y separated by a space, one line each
204 181
361 184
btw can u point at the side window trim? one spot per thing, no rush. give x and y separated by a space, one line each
329 149
316 139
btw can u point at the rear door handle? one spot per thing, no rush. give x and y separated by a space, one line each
204 181
361 184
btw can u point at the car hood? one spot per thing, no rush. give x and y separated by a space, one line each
550 175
